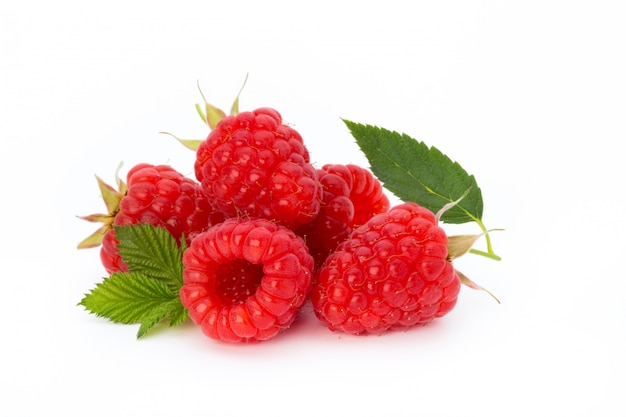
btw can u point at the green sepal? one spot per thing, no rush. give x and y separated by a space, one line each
234 109
471 284
211 114
192 144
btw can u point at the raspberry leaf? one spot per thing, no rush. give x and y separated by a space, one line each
151 251
172 309
415 172
177 313
131 297
148 294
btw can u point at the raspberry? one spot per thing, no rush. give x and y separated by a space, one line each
366 193
351 195
245 279
392 272
154 194
253 165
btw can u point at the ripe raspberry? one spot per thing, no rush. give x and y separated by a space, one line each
392 272
366 193
245 279
154 194
351 195
254 165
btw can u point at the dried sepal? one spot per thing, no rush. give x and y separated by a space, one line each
471 284
112 198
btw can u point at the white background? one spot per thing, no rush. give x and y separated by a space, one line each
528 96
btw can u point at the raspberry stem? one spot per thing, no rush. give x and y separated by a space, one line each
490 253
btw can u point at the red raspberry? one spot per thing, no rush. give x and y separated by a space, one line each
392 272
245 279
254 165
366 193
351 195
157 195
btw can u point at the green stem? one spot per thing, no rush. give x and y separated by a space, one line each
490 253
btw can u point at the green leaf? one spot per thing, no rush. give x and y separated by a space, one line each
172 310
130 297
151 251
149 293
151 321
415 172
178 314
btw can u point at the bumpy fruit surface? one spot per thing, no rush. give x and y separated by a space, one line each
253 165
245 279
161 196
392 272
351 195
366 192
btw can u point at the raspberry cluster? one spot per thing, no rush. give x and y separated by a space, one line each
267 231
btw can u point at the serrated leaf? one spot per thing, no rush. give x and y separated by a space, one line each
151 251
127 297
172 310
157 316
415 172
130 298
178 314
